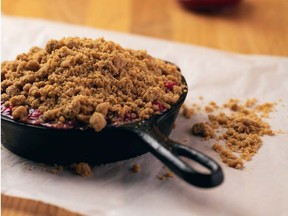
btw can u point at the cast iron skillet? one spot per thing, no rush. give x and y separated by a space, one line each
113 143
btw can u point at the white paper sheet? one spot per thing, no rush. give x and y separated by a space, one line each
259 189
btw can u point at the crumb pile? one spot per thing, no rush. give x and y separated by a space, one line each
94 82
243 126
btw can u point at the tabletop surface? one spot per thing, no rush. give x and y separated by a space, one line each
254 27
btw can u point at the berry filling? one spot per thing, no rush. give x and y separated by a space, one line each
127 117
34 118
169 85
161 106
6 111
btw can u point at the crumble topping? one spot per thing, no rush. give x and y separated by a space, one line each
92 82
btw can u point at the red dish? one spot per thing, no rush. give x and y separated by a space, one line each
209 4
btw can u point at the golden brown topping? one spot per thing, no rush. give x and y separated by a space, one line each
18 100
73 78
103 108
97 120
19 112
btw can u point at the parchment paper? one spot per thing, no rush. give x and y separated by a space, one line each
261 188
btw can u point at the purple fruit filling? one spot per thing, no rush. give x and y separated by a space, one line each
34 118
170 84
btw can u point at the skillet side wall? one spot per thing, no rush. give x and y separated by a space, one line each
69 146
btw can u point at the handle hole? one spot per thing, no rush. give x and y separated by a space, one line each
196 165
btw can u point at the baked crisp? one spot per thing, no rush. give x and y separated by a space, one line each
91 82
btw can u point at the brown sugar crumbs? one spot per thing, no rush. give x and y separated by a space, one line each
136 168
82 169
92 82
203 129
165 173
243 128
187 112
228 157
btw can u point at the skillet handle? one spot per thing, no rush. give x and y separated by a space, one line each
168 151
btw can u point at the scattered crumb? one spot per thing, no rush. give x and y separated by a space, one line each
201 98
242 127
165 174
169 174
55 169
250 102
203 130
82 169
265 109
213 105
187 112
136 168
228 157
279 131
232 104
209 109
161 177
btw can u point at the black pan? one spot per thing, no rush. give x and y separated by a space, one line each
113 143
